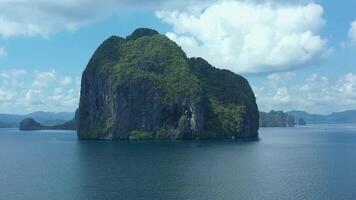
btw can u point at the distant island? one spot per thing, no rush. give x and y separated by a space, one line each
45 118
145 87
29 124
277 119
348 116
266 119
301 118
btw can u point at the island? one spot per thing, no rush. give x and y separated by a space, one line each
29 124
145 87
44 118
344 117
276 119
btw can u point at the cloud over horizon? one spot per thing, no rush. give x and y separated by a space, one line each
24 92
315 94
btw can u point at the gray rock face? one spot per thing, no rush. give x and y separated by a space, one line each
134 106
145 86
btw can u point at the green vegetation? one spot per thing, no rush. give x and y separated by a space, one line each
140 135
103 127
161 134
229 98
230 118
153 59
141 32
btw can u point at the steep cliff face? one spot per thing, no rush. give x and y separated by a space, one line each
144 86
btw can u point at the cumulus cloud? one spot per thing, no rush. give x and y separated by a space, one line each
12 73
347 86
42 79
6 95
66 80
352 32
251 37
23 91
316 94
12 77
34 97
280 78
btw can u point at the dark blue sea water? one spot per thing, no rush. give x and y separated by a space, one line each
315 162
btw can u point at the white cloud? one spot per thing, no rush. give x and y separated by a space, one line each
282 95
12 73
12 77
316 94
352 32
42 79
248 37
347 86
26 17
66 80
23 92
34 97
6 95
280 77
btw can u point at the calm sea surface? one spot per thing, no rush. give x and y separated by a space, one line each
314 162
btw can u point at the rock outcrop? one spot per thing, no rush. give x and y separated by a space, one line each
29 124
145 87
276 119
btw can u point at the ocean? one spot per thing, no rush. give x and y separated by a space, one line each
312 162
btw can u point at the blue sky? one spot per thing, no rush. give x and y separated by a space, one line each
296 54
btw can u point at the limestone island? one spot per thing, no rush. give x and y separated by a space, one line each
145 87
29 124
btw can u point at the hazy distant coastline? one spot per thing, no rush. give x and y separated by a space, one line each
52 119
45 118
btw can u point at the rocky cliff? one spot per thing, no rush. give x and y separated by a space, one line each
276 119
145 87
